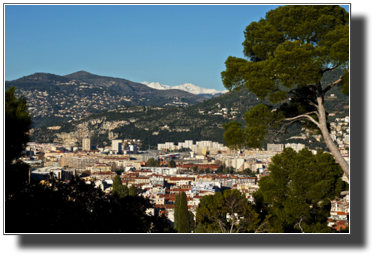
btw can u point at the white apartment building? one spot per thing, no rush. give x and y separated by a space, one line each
86 144
161 170
275 147
117 145
196 148
296 147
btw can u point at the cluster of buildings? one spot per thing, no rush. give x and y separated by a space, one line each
196 171
117 146
162 188
340 133
279 147
230 113
339 213
75 104
67 106
200 147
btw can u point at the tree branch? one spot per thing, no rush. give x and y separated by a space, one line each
329 69
331 86
263 225
283 128
307 115
299 224
221 225
312 87
313 104
293 92
232 223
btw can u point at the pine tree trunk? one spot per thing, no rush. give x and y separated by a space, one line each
328 140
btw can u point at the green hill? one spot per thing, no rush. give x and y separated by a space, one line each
159 124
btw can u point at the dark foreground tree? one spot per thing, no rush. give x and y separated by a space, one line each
289 52
77 207
297 194
17 125
227 212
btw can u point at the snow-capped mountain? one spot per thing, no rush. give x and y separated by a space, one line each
188 87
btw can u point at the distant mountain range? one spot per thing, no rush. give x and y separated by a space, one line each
83 79
54 99
187 87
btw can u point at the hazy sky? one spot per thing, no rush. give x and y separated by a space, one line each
170 44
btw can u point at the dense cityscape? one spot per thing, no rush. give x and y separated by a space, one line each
196 169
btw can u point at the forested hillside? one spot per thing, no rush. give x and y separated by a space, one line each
203 121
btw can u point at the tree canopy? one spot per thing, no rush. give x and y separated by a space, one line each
296 196
151 162
116 183
227 212
17 125
77 207
234 135
172 164
288 52
133 191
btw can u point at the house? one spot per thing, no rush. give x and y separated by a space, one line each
340 225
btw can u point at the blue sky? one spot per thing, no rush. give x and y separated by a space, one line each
170 44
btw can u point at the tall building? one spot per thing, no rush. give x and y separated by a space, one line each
86 146
117 145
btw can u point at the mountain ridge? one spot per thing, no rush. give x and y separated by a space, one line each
188 87
40 80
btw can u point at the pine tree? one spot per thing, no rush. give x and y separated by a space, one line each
288 53
172 164
115 185
200 228
184 217
298 191
133 191
122 191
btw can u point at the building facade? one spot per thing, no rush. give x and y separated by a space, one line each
86 144
117 145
